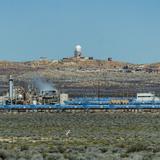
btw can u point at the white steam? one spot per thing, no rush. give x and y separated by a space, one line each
43 85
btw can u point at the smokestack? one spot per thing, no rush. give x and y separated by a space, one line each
11 88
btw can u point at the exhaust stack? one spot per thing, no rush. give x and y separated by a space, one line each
10 88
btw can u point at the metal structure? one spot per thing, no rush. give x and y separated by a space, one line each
10 89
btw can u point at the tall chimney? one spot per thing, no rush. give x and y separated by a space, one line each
10 88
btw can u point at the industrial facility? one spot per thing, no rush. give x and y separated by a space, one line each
41 96
35 94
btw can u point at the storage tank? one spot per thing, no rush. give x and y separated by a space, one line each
34 102
63 98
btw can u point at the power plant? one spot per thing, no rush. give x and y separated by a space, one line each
40 93
44 97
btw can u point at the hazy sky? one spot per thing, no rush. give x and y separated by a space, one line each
127 30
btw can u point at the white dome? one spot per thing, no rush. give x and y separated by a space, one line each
78 48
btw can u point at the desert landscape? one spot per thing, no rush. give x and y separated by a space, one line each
79 136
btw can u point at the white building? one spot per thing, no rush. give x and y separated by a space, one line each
146 97
78 51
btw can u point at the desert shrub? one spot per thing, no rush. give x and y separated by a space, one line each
136 156
116 150
98 156
124 155
24 147
11 158
76 149
136 147
72 156
21 159
61 148
4 154
37 157
54 156
155 149
53 149
103 149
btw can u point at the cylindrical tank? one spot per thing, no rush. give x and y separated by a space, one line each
63 98
10 87
20 96
34 102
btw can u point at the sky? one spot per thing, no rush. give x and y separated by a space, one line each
126 30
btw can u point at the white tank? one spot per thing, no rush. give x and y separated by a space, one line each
63 98
20 96
34 102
